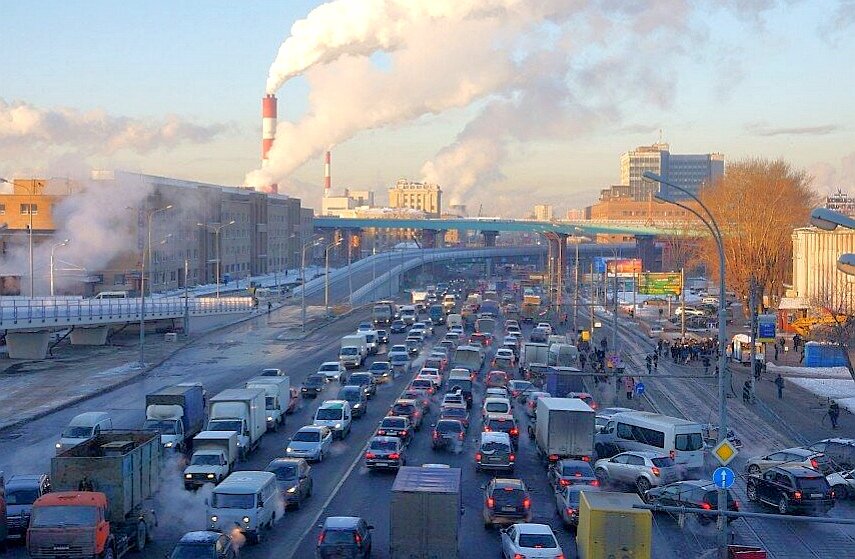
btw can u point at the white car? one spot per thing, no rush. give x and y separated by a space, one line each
532 541
497 392
497 405
426 326
545 326
332 370
310 442
432 375
843 484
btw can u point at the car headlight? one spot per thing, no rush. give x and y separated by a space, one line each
169 444
245 519
214 518
238 443
292 490
270 418
188 476
338 425
289 449
210 476
58 445
355 406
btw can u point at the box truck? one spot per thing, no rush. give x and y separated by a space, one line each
214 455
276 400
609 526
564 428
178 413
241 411
425 513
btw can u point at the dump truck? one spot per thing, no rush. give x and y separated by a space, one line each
241 411
564 428
425 513
610 527
178 413
214 456
100 506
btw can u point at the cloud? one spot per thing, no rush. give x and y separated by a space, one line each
828 177
762 129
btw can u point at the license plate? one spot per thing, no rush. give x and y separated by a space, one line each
61 548
816 495
509 509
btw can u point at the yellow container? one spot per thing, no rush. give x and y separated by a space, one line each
609 528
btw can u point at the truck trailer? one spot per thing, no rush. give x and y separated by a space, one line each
564 428
425 513
609 526
240 410
178 413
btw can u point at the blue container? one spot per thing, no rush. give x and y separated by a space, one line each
823 355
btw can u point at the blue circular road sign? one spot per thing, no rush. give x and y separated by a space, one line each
723 477
639 388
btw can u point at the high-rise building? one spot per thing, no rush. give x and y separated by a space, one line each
689 171
543 212
421 196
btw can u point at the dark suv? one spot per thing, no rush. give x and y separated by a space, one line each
506 501
394 426
410 410
213 545
503 423
448 433
692 494
365 381
791 489
344 536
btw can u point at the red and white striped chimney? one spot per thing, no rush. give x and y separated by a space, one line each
268 129
327 178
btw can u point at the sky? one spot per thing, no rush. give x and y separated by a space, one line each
173 88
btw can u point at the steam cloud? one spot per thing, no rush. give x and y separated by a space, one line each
538 69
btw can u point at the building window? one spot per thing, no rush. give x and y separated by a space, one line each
27 208
2 209
119 279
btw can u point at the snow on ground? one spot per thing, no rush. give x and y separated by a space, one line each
841 390
810 372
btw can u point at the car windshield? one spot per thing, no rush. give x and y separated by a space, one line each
812 484
538 541
230 501
463 384
500 424
403 409
192 551
577 470
449 427
378 367
284 472
315 381
494 446
307 436
454 412
327 414
349 351
205 460
46 517
391 446
21 496
329 367
394 423
165 427
338 537
689 441
398 358
662 462
359 379
226 425
496 407
422 383
270 373
72 432
508 496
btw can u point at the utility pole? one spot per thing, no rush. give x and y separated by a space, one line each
186 299
752 301
576 294
615 311
591 303
682 304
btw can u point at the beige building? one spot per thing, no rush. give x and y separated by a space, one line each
543 212
688 171
420 196
815 274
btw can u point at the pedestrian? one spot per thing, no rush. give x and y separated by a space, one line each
269 306
655 361
649 361
833 413
801 355
779 382
758 368
706 363
776 353
728 352
746 392
629 385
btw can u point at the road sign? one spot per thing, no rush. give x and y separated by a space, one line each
724 452
723 477
660 283
639 388
766 327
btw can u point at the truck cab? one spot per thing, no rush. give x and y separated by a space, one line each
214 455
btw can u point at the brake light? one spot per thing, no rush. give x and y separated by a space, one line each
586 459
491 502
706 506
394 456
381 431
797 494
435 435
487 429
357 538
655 471
814 464
478 456
512 457
735 505
460 436
320 538
404 433
515 431
370 455
526 502
559 556
553 457
518 556
570 511
595 483
831 494
564 482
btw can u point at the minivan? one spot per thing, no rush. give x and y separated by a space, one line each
245 500
495 452
335 414
462 382
84 427
21 492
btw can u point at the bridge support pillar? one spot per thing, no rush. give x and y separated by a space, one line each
651 257
431 238
90 336
557 270
490 238
28 345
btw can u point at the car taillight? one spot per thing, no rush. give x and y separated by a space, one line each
370 455
594 482
586 459
357 538
564 482
320 538
831 493
735 505
381 431
477 456
404 433
655 471
706 506
797 494
515 431
491 502
814 464
487 429
518 556
460 436
435 435
526 503
559 556
512 457
570 511
394 456
553 457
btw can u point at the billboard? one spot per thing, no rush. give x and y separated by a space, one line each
662 283
625 266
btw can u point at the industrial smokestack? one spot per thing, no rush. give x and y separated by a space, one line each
327 178
268 129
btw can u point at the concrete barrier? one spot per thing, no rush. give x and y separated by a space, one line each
28 345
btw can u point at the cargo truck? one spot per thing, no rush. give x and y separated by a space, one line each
383 313
215 454
609 526
562 355
100 507
533 353
485 325
436 314
425 513
178 413
276 400
560 381
241 411
529 312
564 428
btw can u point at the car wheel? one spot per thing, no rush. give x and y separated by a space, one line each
784 504
751 492
648 498
754 469
602 475
642 484
840 492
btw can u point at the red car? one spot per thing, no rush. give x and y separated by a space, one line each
497 379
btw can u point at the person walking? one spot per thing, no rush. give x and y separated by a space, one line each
655 361
649 361
779 382
746 392
629 386
776 353
833 413
706 363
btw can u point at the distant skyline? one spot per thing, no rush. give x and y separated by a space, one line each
175 90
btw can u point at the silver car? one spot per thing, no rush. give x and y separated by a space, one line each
642 469
311 442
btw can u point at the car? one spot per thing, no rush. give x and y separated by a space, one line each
448 433
344 536
520 389
692 494
505 353
22 490
355 396
410 410
843 484
496 405
203 543
422 398
498 392
546 327
503 423
497 378
538 336
364 327
424 384
432 375
531 402
427 327
840 451
642 469
452 336
453 398
791 489
608 413
479 339
398 327
413 345
385 452
531 541
809 458
396 426
294 478
567 502
382 336
400 363
460 413
564 473
335 414
506 501
416 334
333 370
364 380
511 322
435 361
382 371
313 385
495 452
585 397
272 373
311 442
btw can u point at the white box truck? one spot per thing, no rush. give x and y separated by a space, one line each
215 454
564 429
348 357
425 513
277 398
240 410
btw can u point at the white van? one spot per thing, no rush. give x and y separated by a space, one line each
642 430
335 414
84 427
245 500
409 314
454 320
112 295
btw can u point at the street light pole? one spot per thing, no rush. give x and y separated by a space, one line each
712 225
147 252
327 276
303 284
52 249
216 229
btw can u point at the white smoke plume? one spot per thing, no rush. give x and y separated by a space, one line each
25 125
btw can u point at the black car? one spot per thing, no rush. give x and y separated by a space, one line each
692 494
398 327
382 336
382 371
357 398
313 385
571 472
364 381
506 501
344 536
213 545
504 423
396 426
294 478
791 489
448 433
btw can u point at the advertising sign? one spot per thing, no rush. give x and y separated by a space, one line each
766 327
625 266
660 283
